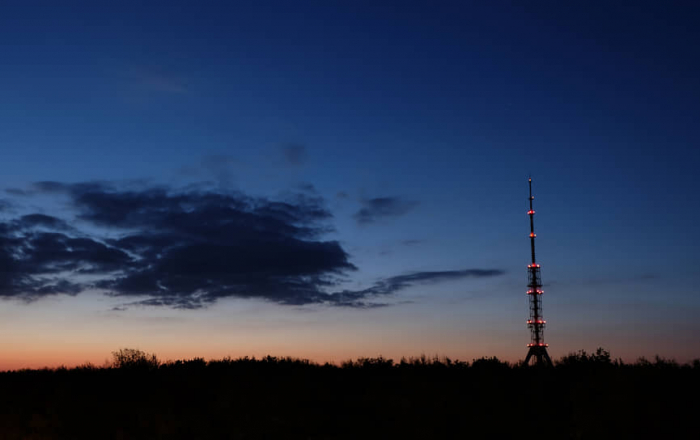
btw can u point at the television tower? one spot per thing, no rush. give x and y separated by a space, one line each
537 348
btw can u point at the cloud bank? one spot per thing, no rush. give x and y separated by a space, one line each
185 248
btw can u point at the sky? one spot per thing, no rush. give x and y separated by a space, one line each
331 180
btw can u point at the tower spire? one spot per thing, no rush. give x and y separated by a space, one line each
537 348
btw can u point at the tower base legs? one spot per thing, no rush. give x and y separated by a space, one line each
539 356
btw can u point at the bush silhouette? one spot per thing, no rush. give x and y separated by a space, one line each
601 358
131 358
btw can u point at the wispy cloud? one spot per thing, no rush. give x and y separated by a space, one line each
153 79
161 82
219 167
397 283
382 208
412 242
294 154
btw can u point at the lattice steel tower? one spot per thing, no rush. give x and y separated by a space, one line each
537 352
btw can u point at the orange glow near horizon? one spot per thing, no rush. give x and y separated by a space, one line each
70 331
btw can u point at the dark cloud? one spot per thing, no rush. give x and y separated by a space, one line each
197 247
40 220
181 249
16 192
394 284
411 242
186 249
294 154
51 252
35 260
383 207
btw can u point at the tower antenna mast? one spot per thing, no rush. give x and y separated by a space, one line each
537 352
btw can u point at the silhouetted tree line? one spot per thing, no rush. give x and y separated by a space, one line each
137 396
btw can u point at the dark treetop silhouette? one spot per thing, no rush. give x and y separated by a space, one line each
138 397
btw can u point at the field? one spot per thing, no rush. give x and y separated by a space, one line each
582 397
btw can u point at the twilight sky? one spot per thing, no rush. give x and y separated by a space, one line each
346 178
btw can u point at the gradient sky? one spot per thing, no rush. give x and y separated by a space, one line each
411 126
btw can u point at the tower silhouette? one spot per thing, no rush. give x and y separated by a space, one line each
537 352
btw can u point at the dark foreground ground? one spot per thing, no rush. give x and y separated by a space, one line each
583 397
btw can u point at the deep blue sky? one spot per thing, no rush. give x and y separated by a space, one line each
441 109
